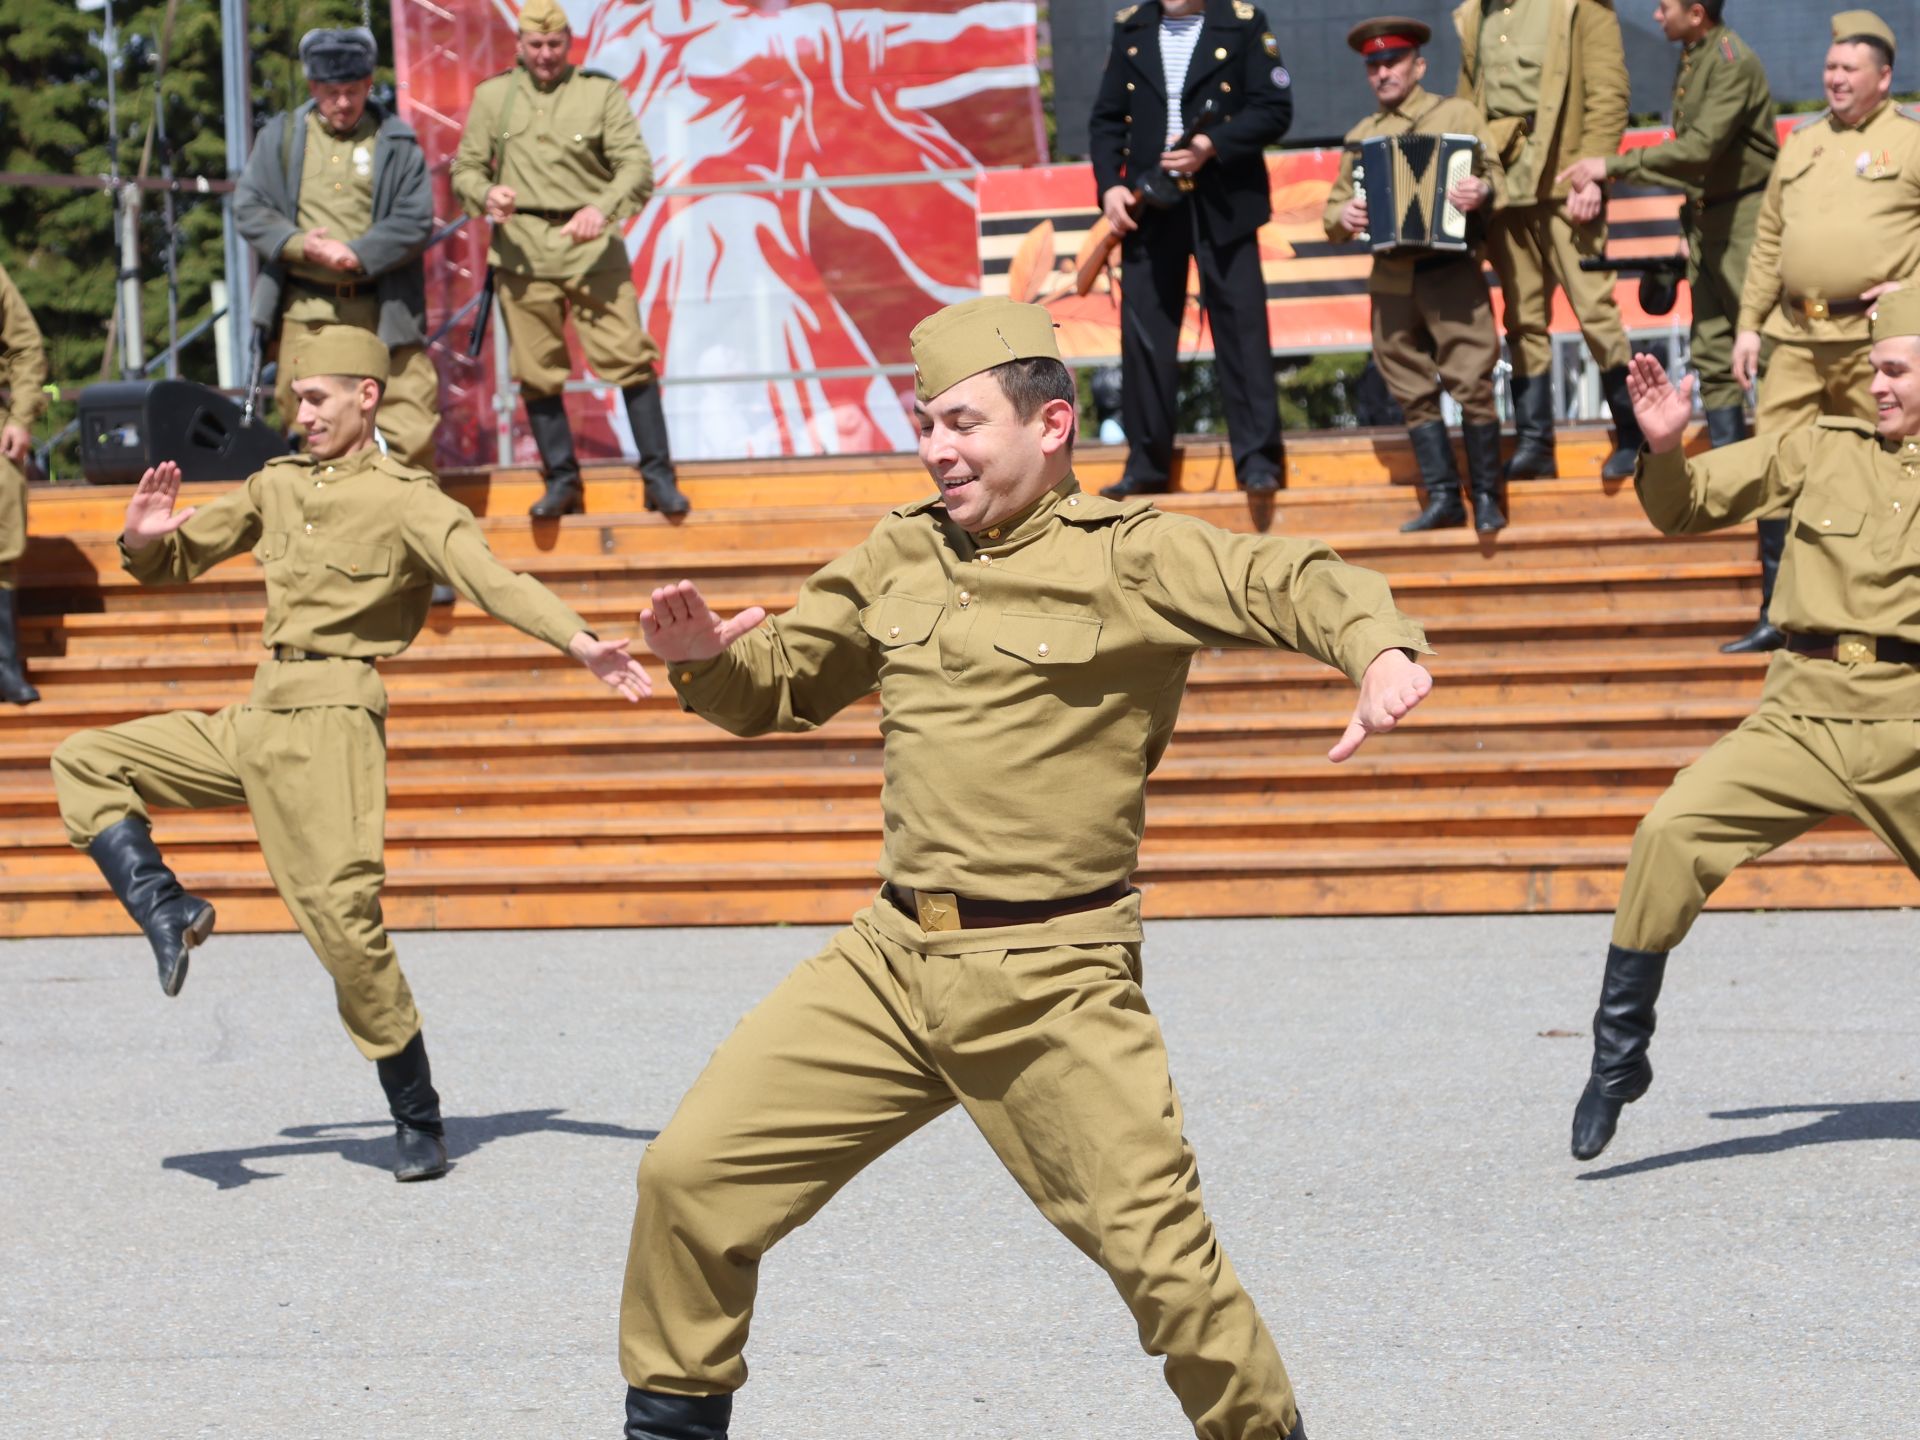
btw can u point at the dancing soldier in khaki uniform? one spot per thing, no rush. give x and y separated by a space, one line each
1551 78
1834 734
553 157
1432 318
23 373
1011 624
337 202
351 542
1838 228
1720 157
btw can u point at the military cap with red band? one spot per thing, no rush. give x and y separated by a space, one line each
1388 35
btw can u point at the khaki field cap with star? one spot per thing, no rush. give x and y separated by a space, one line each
975 335
339 350
1896 313
1849 23
542 17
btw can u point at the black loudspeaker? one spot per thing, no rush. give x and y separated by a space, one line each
127 426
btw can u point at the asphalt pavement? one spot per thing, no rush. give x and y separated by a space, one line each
201 1238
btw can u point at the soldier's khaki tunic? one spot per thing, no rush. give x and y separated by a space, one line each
1551 78
23 376
574 144
1720 157
351 549
336 190
1029 680
1432 317
1841 215
1831 737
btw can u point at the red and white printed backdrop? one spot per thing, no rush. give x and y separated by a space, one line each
819 166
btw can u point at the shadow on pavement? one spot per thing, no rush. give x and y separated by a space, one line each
370 1143
1878 1120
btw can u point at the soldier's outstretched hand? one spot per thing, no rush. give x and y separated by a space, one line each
150 512
1662 409
680 625
616 668
1392 686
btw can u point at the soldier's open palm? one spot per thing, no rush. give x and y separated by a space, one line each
1662 408
680 625
150 512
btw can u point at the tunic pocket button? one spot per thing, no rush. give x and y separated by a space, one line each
309 529
1043 649
893 632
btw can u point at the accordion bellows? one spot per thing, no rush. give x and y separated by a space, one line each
1404 180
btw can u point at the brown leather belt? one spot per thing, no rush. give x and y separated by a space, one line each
292 652
1821 309
1714 202
1854 649
552 217
345 290
938 910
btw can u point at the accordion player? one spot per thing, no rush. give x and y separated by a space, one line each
1404 179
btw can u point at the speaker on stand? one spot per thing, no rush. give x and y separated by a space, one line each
128 426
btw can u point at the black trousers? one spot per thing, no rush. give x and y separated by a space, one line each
1153 296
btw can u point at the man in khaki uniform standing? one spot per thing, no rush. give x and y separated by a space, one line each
351 541
337 202
1432 318
553 157
1839 227
1011 624
23 374
1834 734
1551 78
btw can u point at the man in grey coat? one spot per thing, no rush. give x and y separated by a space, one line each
336 201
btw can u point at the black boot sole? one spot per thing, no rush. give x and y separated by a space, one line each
173 977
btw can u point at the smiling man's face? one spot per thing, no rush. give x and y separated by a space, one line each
988 462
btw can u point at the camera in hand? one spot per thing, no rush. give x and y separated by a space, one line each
1160 190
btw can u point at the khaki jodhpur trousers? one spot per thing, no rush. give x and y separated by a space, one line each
1758 787
1533 248
13 519
315 782
1042 1034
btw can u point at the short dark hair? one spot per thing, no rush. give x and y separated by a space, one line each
1714 8
1873 42
1031 383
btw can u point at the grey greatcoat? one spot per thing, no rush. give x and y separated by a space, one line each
267 202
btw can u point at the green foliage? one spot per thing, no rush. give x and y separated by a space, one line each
59 244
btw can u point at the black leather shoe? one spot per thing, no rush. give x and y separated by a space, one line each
1533 455
1483 475
1263 483
418 1154
553 438
1128 486
1762 637
1433 454
652 1415
420 1147
1622 1027
173 921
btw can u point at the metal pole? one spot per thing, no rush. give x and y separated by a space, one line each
237 93
126 211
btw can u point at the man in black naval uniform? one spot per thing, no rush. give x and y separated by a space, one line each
1200 51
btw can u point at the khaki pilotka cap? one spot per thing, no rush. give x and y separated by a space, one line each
542 17
339 350
1896 313
1849 23
975 335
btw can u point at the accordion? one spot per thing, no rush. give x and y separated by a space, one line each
1404 180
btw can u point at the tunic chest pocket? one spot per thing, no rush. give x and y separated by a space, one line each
272 546
359 562
1821 521
895 620
1047 639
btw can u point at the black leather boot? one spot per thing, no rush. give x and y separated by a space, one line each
1483 475
14 687
654 1416
1129 485
1433 453
420 1147
1627 438
649 424
1622 1026
1533 457
1765 635
553 437
173 920
1726 426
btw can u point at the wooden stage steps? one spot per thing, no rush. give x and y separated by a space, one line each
1578 670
